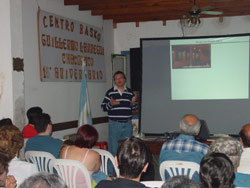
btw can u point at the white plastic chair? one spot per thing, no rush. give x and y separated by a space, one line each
175 168
152 183
21 154
69 170
105 157
41 159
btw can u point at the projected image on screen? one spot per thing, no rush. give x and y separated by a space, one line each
191 56
227 78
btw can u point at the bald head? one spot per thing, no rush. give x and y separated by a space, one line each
190 125
190 119
245 135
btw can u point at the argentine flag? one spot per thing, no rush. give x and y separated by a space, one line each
85 116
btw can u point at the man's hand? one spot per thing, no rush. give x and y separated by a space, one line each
10 182
114 102
133 100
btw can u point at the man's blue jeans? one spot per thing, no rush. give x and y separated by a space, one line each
118 131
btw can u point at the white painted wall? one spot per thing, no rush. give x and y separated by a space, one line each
61 99
17 52
127 35
6 92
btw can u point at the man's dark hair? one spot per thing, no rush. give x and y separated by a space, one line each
180 182
132 156
216 171
5 121
32 113
41 122
244 138
120 72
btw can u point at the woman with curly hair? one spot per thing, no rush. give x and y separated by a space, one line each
5 181
11 141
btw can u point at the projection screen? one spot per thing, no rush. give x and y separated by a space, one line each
205 76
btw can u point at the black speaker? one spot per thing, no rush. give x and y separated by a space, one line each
135 69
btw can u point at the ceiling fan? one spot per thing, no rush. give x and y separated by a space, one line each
195 12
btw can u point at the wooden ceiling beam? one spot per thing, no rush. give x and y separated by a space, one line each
122 5
164 16
92 4
235 10
136 10
78 2
139 16
163 8
160 10
175 15
73 2
96 2
244 13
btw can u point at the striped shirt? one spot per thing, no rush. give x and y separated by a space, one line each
123 111
185 143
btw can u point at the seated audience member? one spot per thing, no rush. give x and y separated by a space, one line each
5 121
233 150
29 130
44 180
132 161
185 147
244 134
86 138
180 182
5 181
43 141
11 141
216 171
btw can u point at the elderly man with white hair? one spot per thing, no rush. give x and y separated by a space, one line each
185 147
233 149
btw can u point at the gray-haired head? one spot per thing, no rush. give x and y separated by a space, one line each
231 147
190 125
180 182
44 180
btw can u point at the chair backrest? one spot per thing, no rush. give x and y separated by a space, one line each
105 157
21 154
152 183
73 173
41 159
175 168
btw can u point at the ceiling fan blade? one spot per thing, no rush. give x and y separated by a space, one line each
208 8
215 13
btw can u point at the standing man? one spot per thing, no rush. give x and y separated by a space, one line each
119 102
